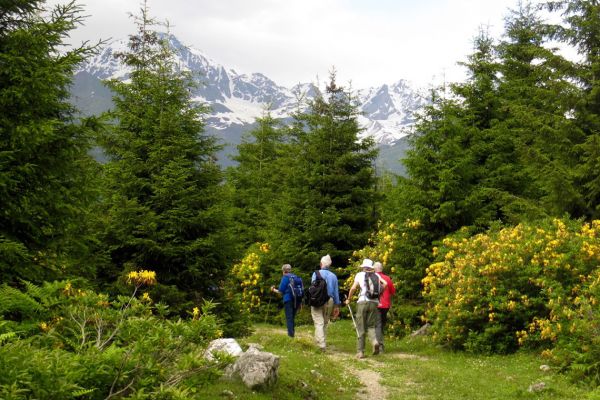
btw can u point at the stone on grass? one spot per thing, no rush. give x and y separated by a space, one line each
544 368
257 369
537 387
227 346
422 331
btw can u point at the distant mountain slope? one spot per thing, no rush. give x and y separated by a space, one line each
237 99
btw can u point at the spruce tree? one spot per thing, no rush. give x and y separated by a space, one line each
165 210
44 185
256 179
537 95
581 29
328 201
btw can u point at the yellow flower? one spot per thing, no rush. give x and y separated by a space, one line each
143 277
196 312
44 327
264 247
146 297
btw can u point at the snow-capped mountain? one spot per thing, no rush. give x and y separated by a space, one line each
236 99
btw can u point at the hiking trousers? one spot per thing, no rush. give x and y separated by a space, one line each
321 316
366 321
290 314
381 323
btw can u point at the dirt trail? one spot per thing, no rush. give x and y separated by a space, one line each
366 370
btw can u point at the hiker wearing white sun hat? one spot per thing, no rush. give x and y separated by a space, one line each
371 285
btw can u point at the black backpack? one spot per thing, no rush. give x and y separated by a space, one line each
373 285
317 292
297 288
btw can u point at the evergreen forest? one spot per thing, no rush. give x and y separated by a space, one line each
115 275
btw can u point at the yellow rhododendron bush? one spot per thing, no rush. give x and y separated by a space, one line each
528 285
248 276
399 248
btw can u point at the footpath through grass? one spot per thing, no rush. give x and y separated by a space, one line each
410 369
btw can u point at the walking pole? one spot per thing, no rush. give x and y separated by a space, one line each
353 321
268 308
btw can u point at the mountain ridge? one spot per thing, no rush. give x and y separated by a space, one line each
237 99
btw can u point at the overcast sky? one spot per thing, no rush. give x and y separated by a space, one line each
370 42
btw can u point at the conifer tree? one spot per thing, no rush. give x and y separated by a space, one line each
537 95
165 210
580 29
256 179
328 201
44 187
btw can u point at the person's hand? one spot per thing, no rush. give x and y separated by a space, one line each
336 313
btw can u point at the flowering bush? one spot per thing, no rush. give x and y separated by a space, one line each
521 286
248 277
398 248
381 247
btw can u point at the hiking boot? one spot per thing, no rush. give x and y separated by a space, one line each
376 349
360 355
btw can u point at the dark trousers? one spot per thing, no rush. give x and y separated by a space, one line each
290 314
381 322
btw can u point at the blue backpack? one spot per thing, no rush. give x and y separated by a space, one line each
297 288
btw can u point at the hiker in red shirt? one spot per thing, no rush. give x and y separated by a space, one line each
385 302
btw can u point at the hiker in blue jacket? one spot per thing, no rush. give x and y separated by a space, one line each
331 309
290 302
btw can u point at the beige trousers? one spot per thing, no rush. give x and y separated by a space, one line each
321 316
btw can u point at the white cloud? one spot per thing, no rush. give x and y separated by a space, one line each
291 41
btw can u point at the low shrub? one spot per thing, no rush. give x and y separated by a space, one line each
86 345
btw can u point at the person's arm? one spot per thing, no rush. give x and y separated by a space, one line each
382 282
351 293
392 288
336 292
282 286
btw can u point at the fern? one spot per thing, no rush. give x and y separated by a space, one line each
5 337
83 392
34 291
13 300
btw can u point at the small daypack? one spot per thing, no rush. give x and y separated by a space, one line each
317 292
297 288
373 285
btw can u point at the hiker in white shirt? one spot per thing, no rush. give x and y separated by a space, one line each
366 308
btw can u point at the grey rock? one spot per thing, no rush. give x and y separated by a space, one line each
545 368
257 369
227 346
422 331
537 387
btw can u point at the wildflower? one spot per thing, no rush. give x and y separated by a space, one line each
264 247
142 277
44 327
146 297
195 312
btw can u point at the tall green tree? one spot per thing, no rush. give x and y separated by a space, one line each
328 201
537 94
44 165
256 179
450 148
581 29
165 206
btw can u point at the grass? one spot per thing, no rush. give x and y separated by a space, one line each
410 369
